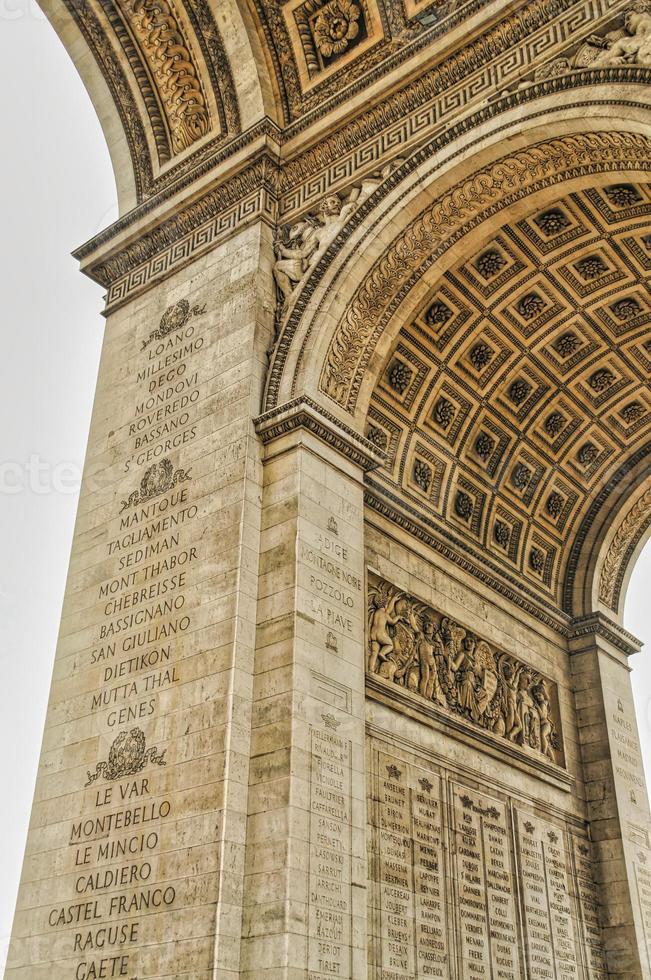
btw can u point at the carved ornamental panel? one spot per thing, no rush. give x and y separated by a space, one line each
449 673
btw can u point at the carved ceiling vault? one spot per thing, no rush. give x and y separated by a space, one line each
522 383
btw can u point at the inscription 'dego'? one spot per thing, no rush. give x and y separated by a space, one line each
455 671
116 842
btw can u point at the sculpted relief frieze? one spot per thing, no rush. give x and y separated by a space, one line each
626 45
450 670
299 247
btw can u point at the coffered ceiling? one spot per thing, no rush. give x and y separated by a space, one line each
523 382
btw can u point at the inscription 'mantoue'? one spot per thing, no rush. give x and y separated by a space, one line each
455 671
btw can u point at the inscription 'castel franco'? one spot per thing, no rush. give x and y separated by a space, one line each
342 689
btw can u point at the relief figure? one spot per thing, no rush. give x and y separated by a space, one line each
437 659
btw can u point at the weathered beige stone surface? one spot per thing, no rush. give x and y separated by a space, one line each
341 689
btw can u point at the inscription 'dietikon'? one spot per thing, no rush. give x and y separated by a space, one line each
430 655
118 843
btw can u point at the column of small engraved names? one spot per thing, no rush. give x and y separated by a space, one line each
121 876
589 910
410 852
486 909
547 906
330 857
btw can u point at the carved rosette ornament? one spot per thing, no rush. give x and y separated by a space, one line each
435 659
440 225
628 533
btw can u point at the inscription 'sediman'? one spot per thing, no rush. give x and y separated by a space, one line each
158 479
430 655
128 755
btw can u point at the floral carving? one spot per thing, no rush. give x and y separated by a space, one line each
623 195
159 33
438 314
555 504
128 755
422 475
601 380
336 26
634 523
502 534
444 413
530 306
552 222
519 391
480 356
567 344
591 267
554 424
378 437
430 655
587 454
520 476
537 560
626 309
632 412
158 479
490 263
400 376
484 446
463 506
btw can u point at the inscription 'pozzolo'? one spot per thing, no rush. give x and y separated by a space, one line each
428 654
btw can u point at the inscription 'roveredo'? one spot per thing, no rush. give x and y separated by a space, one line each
430 655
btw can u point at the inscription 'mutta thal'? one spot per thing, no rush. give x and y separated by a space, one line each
342 688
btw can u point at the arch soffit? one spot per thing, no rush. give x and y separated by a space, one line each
157 126
435 201
503 186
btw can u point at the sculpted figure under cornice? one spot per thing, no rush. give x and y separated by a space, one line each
629 45
299 248
414 647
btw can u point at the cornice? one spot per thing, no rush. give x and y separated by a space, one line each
597 625
303 413
398 512
307 174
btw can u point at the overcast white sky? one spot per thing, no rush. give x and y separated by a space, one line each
56 191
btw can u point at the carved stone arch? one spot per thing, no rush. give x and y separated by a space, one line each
164 115
615 529
535 151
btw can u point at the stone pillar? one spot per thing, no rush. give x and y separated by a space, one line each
305 895
617 801
135 858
